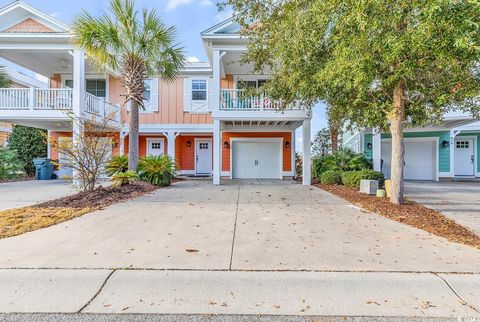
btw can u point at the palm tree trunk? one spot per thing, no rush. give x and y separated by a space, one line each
334 137
396 118
133 137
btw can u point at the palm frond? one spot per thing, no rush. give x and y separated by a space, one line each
5 80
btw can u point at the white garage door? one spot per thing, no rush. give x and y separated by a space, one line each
256 160
420 159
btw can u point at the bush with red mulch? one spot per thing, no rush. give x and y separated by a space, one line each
410 213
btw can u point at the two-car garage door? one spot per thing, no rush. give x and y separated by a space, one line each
257 159
420 159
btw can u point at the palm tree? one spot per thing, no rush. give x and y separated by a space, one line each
138 45
5 80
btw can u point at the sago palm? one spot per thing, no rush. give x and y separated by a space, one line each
137 45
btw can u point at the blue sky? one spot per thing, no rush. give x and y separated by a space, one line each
189 16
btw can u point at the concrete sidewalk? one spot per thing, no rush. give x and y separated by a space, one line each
27 193
240 292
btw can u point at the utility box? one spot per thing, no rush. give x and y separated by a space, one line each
43 169
369 187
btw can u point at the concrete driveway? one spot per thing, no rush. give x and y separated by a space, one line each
240 226
26 193
459 201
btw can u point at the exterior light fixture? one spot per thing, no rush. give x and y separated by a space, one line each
189 144
287 145
226 145
369 146
445 144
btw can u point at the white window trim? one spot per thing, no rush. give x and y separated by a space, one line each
193 79
150 140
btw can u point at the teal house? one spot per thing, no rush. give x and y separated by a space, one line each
450 150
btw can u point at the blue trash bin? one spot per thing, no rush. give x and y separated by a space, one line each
43 169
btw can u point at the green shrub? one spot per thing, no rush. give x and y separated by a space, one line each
319 166
121 179
157 170
352 178
331 177
117 164
30 143
10 164
346 160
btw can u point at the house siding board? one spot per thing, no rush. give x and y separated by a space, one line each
367 138
29 25
287 152
170 107
56 135
443 153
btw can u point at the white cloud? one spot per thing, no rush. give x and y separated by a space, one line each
193 59
173 4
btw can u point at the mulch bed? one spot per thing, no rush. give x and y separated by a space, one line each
101 197
410 213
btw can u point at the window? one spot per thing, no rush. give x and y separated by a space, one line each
148 90
97 87
463 144
257 83
69 83
203 146
199 90
156 145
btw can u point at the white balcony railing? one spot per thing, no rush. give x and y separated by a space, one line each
60 99
240 100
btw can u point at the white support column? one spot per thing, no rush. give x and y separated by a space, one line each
171 144
306 153
217 149
377 150
453 135
293 146
217 56
78 99
49 150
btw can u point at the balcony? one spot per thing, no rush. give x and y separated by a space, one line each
27 105
239 104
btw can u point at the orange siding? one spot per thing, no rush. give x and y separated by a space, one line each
56 81
56 135
142 144
170 104
227 82
4 137
29 25
287 153
185 156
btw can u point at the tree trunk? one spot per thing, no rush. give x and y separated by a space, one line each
396 118
334 138
133 137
